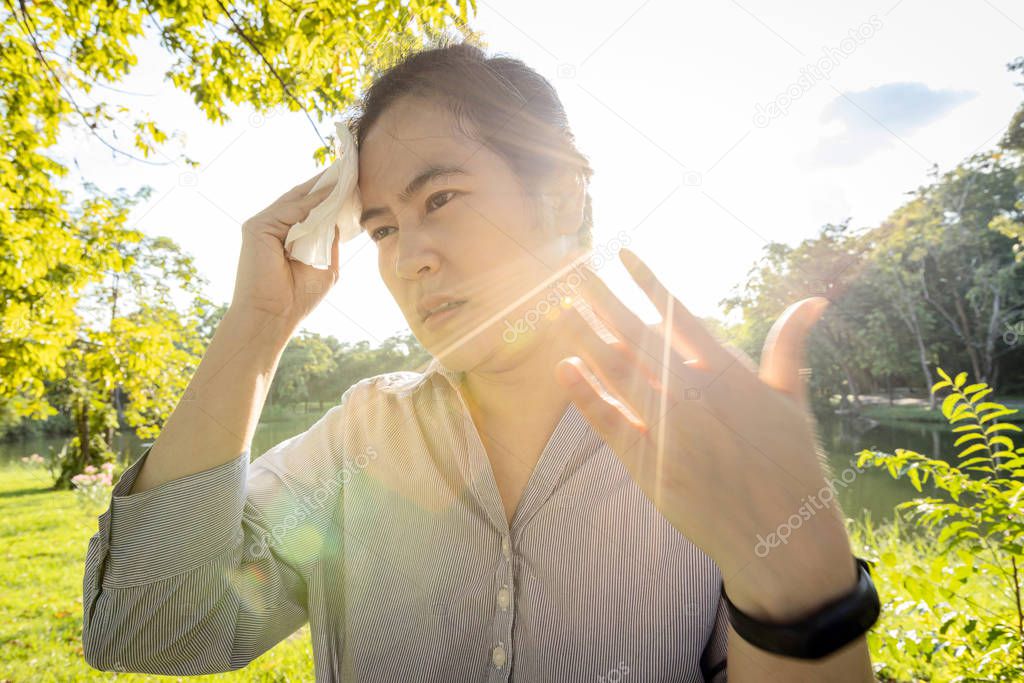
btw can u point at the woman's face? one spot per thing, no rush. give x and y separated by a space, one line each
459 245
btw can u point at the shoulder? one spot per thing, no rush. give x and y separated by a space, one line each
401 383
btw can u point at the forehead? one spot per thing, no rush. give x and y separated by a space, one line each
411 134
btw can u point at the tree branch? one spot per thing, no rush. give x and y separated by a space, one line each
284 86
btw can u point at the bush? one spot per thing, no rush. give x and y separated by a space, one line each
956 605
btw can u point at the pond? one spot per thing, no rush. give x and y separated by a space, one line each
871 490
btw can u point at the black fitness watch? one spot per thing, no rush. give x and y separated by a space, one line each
821 633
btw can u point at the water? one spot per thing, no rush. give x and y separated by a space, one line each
871 490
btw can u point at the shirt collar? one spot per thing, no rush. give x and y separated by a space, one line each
404 382
435 367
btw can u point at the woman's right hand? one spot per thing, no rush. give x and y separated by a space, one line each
267 281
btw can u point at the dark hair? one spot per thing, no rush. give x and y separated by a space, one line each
499 101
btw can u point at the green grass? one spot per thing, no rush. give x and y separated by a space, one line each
46 534
905 642
921 413
887 413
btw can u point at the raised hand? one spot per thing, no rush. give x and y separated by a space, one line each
724 450
267 281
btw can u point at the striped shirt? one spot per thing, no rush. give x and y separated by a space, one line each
383 528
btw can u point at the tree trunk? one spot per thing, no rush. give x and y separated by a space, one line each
968 340
83 437
852 384
922 357
909 316
990 359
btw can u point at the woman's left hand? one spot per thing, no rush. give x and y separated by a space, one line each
724 450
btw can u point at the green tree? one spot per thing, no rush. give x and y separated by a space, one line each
305 358
966 272
1009 223
312 57
132 342
829 265
975 512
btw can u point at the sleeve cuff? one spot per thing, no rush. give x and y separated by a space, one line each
175 527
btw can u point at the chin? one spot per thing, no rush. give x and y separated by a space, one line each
466 348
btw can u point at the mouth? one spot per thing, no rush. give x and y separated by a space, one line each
440 310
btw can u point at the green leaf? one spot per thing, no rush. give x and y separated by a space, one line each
968 437
962 412
979 395
972 449
948 403
1002 427
997 413
1004 440
951 529
967 428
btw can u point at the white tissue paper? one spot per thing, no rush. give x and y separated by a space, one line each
310 241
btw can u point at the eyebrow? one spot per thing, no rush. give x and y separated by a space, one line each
421 179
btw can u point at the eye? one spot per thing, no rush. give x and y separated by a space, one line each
377 236
430 200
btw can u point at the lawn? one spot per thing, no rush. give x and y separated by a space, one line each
916 410
46 534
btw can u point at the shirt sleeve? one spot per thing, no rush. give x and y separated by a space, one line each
205 573
713 660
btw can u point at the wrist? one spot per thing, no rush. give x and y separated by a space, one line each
828 629
795 579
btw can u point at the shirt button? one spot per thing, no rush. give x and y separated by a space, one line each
506 549
498 656
503 598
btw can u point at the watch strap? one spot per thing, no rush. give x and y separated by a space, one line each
819 634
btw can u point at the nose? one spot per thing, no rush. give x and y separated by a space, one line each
416 255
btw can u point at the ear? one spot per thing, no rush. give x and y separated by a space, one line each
564 202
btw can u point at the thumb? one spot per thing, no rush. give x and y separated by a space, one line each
783 354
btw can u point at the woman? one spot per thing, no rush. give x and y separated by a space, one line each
565 503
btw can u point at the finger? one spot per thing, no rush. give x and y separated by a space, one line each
620 371
603 411
303 187
315 197
647 343
693 339
288 215
298 210
784 348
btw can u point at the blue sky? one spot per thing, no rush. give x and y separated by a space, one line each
713 128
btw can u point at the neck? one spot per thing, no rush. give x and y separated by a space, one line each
522 391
